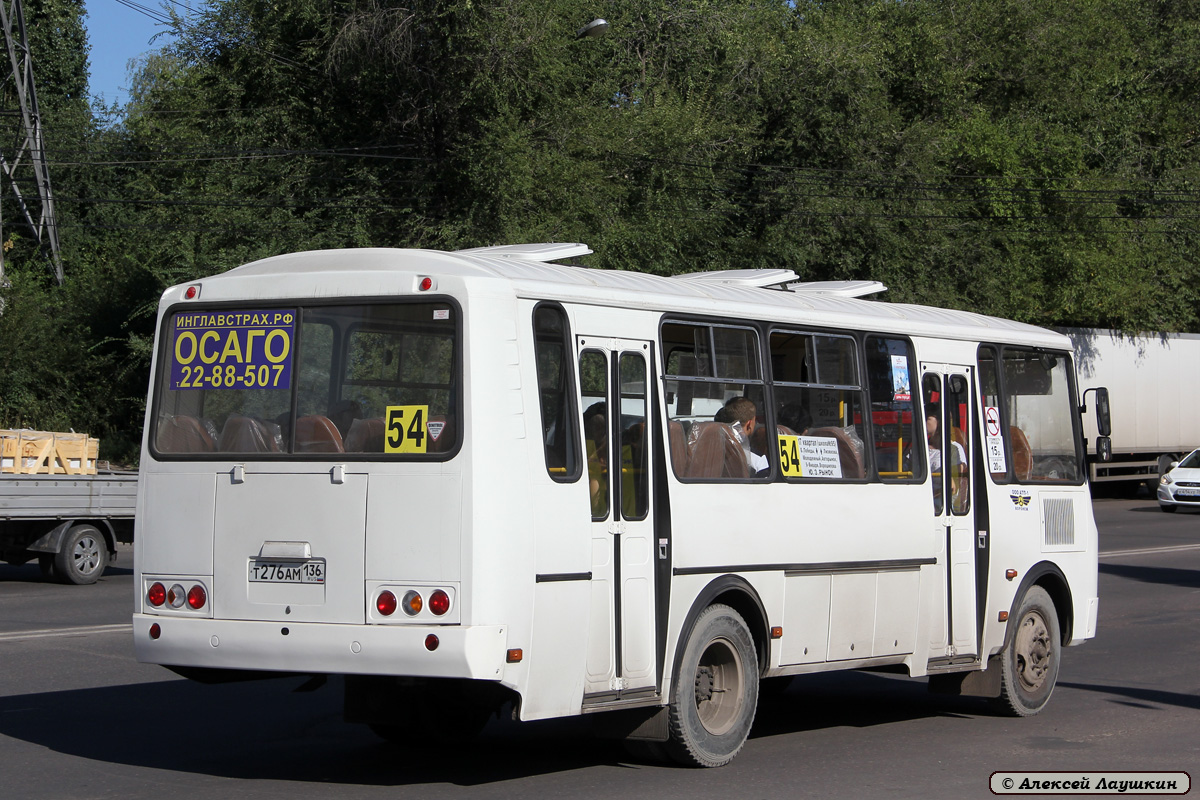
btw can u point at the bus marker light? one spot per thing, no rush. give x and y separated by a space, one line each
777 632
386 603
413 603
175 596
1010 573
426 284
1004 616
197 597
155 631
191 292
157 595
431 642
439 602
514 656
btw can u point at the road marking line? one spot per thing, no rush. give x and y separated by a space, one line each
49 633
1179 548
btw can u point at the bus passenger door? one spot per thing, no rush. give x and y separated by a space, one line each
949 436
614 376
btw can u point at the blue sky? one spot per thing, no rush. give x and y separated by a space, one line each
117 33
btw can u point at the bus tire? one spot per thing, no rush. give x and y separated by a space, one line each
1029 662
82 557
716 690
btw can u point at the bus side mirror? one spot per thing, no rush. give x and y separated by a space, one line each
1103 448
1103 423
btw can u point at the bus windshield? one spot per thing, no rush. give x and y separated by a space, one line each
291 380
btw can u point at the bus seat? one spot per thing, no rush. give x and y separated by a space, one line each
317 434
246 435
848 455
714 452
183 434
445 436
1022 454
365 436
678 442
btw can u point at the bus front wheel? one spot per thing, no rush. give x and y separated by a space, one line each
1029 662
716 690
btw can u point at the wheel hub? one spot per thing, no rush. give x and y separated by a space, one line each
87 555
1033 651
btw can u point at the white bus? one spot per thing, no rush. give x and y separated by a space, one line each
476 479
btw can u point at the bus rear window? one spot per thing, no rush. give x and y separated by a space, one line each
306 381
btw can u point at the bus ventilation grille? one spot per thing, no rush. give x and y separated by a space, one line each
1060 521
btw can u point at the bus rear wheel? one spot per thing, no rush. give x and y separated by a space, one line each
1029 662
716 690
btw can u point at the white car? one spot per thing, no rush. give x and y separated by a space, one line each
1181 485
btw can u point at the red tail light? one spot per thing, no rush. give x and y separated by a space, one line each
431 642
157 595
197 597
439 602
386 603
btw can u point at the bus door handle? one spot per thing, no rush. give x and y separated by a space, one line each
662 549
616 528
983 540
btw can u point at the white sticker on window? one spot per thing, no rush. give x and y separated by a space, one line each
995 441
441 313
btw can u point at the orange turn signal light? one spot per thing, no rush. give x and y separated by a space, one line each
1010 573
777 632
514 656
1004 616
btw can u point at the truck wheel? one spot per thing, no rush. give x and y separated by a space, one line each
1029 662
716 691
82 557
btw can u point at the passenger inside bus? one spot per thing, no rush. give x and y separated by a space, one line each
741 413
958 456
595 434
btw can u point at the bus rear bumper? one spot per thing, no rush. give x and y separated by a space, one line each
476 651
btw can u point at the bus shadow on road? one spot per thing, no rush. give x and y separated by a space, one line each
854 699
1168 576
266 730
1134 696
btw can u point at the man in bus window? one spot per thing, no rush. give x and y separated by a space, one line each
595 434
742 415
958 456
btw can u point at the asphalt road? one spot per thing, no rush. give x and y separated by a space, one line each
79 718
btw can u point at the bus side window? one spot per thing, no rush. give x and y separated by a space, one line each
556 392
893 421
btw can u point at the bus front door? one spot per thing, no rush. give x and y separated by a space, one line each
948 426
614 382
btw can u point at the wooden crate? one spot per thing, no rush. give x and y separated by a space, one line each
27 452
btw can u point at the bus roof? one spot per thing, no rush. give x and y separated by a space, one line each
775 295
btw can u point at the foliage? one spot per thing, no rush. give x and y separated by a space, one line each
1029 160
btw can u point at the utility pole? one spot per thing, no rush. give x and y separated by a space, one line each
36 207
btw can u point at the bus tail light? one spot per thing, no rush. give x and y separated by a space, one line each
157 595
386 603
155 631
176 596
197 597
431 642
413 603
439 602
